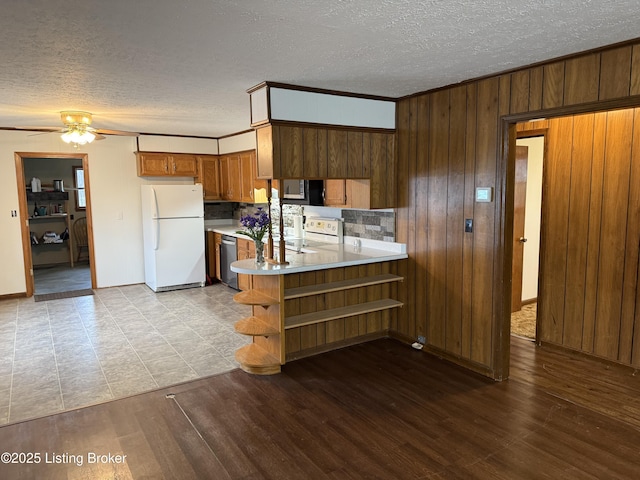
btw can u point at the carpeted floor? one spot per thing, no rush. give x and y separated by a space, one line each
523 323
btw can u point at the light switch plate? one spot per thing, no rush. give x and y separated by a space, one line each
484 194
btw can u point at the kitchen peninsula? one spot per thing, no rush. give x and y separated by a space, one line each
331 296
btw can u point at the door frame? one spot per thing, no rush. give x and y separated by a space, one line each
504 242
24 214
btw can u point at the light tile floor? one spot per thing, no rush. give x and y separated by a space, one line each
68 353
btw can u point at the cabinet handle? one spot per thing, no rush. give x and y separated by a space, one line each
174 168
166 168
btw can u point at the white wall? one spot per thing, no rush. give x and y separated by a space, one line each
533 211
163 143
115 207
313 107
237 143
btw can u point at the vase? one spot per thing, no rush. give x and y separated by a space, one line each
259 252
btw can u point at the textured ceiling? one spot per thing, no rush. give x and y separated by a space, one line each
183 66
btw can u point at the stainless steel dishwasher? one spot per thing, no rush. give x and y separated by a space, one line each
228 255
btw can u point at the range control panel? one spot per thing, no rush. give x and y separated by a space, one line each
324 229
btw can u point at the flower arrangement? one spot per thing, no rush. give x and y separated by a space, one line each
256 225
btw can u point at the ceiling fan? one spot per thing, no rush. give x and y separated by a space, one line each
77 129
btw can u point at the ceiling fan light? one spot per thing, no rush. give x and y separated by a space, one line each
75 117
78 136
66 137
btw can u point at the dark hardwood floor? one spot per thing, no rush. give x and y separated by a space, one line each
379 410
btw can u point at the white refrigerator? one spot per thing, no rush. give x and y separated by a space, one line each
173 232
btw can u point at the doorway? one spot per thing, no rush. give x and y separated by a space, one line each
530 147
53 208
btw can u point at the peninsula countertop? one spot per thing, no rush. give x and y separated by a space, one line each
321 257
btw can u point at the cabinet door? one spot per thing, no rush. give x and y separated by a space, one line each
152 164
358 194
264 142
210 254
184 166
235 178
246 250
225 186
335 193
218 242
210 177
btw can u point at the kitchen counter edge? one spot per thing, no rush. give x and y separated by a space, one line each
357 257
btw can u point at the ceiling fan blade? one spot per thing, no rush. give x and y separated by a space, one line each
99 136
41 129
105 131
40 133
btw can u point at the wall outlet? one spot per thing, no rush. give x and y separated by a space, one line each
422 339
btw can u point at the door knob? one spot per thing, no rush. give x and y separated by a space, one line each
522 240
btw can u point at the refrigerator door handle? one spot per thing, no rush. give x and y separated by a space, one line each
155 203
156 235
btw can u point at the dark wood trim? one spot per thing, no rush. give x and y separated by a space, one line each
456 360
261 123
539 132
237 153
237 133
13 295
530 301
542 63
503 249
174 153
622 103
561 349
302 88
257 87
289 123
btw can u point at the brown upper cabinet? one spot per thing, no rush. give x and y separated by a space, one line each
153 164
230 177
311 152
348 194
238 176
210 176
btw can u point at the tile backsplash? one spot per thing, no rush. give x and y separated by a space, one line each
218 211
370 224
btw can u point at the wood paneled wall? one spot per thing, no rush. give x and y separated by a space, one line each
451 141
590 247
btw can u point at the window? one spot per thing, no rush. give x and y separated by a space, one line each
78 180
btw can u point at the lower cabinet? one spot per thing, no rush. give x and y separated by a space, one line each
210 255
217 238
246 249
302 314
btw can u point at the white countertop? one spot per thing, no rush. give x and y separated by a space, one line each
323 257
318 256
